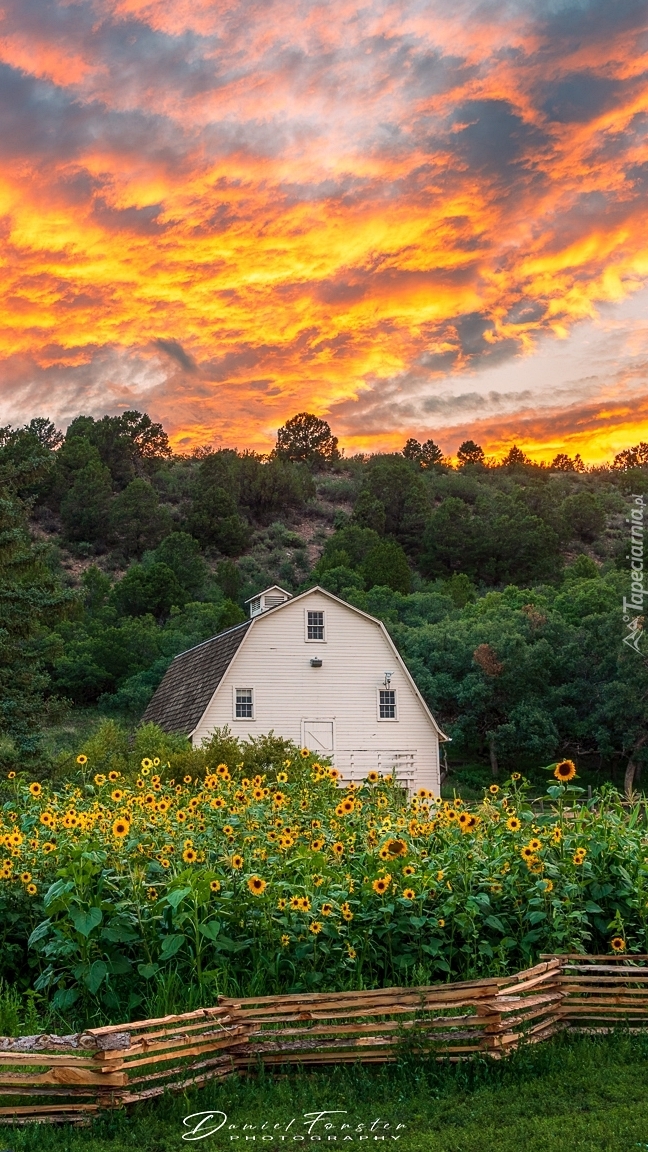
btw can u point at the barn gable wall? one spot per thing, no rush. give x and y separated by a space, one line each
274 661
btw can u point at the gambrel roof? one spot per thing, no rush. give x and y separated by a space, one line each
194 676
192 679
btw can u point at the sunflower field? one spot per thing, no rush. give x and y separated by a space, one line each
246 869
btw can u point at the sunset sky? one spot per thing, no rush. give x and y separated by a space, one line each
413 218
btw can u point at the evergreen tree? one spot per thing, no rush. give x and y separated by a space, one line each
307 439
85 508
31 600
470 453
137 521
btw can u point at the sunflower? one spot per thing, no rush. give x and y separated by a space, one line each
451 814
35 788
256 885
535 844
527 853
409 894
113 776
31 889
373 777
228 830
618 944
187 779
333 774
146 763
215 885
515 776
315 927
463 817
219 802
223 771
317 880
139 782
513 824
564 771
82 759
190 855
396 848
120 828
99 779
164 862
25 877
556 835
282 777
579 855
11 775
326 909
181 816
304 904
469 824
237 861
258 793
117 795
409 870
548 885
347 805
338 848
48 847
281 904
285 941
47 818
494 789
381 885
441 923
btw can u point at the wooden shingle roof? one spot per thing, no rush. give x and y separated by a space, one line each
192 679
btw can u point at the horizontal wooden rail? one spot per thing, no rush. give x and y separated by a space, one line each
70 1078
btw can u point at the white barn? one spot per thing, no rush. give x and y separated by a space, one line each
315 670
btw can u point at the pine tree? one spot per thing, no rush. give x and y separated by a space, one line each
30 600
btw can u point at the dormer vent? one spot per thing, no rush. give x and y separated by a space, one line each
270 598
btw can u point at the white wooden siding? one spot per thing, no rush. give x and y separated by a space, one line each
308 705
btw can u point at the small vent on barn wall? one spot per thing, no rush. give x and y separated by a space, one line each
270 598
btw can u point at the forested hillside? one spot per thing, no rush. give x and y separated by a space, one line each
501 582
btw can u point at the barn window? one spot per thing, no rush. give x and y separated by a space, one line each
315 625
243 704
387 704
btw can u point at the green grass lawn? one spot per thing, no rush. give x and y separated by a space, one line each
573 1094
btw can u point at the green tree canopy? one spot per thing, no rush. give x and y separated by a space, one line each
307 439
494 541
470 453
136 520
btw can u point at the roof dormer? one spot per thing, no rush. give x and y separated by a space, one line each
270 598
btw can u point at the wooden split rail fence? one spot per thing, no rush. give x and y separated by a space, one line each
70 1078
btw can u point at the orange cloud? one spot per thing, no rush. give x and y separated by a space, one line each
248 210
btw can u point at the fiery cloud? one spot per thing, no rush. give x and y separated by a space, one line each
230 211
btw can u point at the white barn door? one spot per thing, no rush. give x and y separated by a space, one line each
319 736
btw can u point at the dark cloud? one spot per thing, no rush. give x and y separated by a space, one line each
526 312
492 137
177 353
471 331
139 220
580 97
